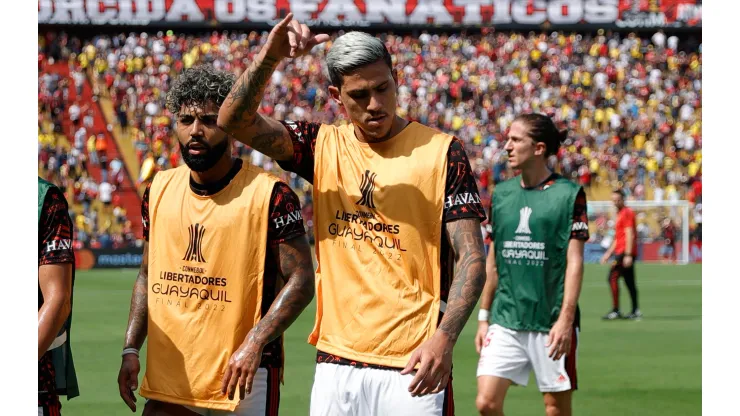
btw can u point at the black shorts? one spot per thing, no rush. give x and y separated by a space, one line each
49 406
619 261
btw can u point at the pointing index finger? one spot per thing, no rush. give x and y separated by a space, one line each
284 23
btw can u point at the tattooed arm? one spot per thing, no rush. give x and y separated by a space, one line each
128 376
238 114
470 274
239 118
138 316
435 355
296 265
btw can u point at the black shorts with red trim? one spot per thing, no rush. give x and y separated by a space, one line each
448 408
49 405
273 391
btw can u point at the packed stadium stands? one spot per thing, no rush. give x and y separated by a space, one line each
632 104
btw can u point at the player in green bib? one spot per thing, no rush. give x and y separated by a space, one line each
534 274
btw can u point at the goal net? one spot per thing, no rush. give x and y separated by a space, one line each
662 230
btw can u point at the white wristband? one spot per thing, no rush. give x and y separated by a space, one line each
130 351
483 315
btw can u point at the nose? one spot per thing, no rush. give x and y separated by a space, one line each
509 146
196 129
375 103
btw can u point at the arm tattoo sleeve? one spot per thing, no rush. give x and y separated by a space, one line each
238 114
138 313
246 95
470 274
296 265
270 142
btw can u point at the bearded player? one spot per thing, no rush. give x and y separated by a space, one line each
226 269
397 215
534 274
56 282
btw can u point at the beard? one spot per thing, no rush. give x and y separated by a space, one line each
201 163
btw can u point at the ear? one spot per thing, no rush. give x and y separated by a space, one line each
540 149
335 95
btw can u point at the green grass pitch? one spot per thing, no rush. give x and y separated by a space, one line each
647 368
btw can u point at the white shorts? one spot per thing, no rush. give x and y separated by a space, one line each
343 390
513 354
262 401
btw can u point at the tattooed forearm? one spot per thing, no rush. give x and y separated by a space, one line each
138 313
272 142
296 265
470 274
239 118
240 107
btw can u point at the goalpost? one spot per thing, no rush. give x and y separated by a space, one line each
650 217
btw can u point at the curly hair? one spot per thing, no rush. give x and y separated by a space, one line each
199 85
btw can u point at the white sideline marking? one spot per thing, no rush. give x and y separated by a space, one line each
667 282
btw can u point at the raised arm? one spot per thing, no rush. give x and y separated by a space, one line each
239 118
238 115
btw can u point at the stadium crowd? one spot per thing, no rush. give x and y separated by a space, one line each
69 149
632 104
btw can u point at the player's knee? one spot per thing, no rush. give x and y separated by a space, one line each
558 406
553 410
488 406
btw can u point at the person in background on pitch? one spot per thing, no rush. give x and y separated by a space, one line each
397 214
229 270
534 274
624 248
668 234
56 283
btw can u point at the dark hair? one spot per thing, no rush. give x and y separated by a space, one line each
542 129
199 85
619 192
